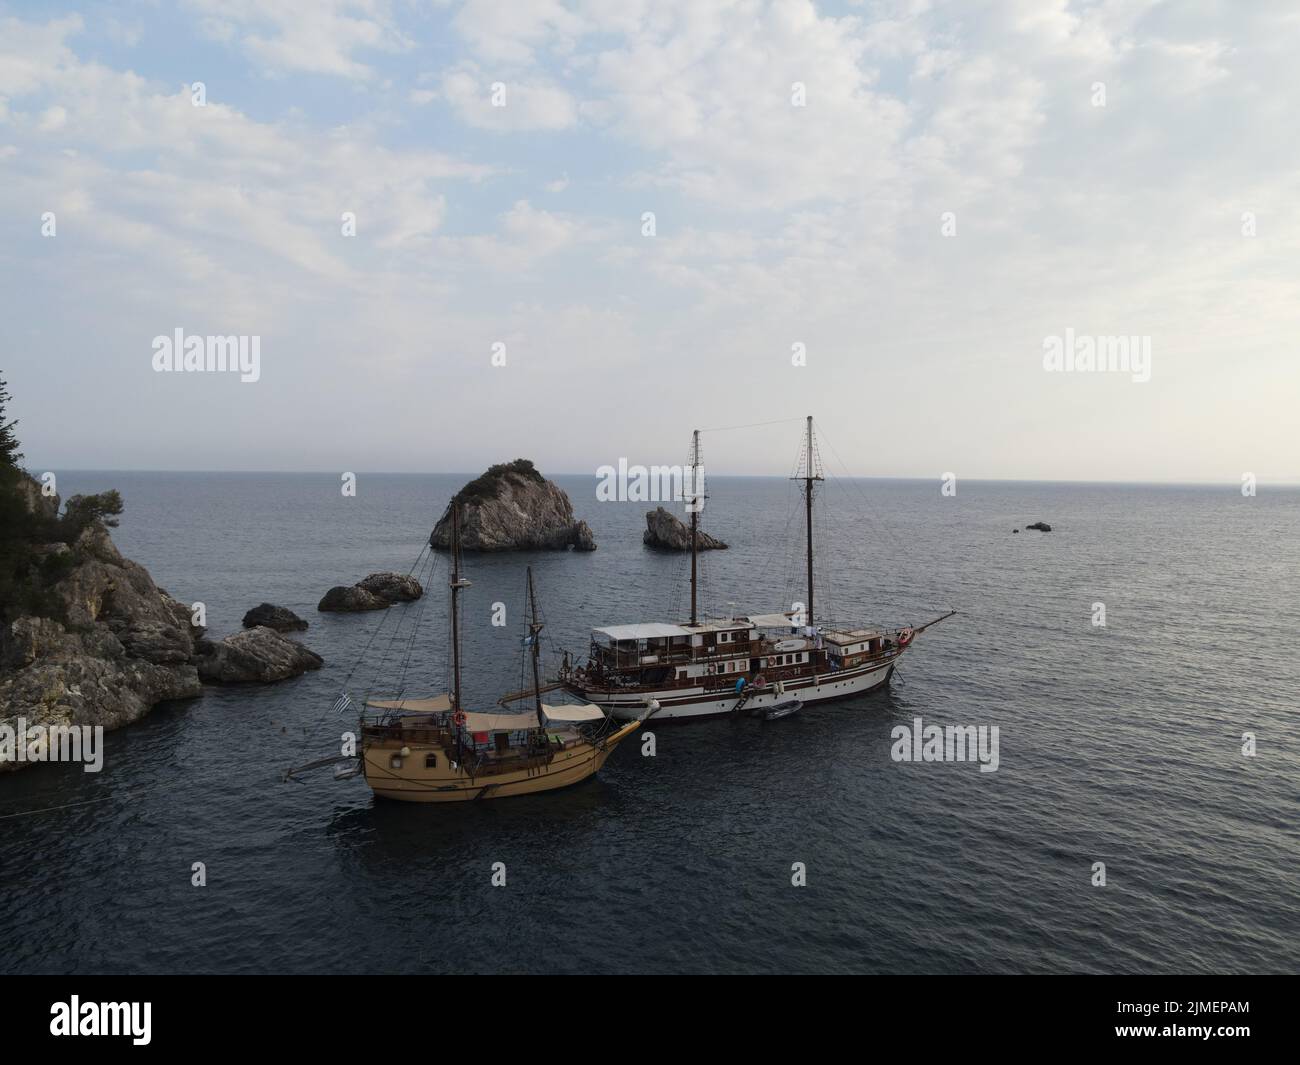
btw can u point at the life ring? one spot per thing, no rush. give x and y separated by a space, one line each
905 637
758 681
459 718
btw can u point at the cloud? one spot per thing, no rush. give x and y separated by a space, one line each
308 36
506 106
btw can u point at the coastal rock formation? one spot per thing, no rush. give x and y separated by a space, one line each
583 538
349 600
1041 526
96 641
373 592
274 617
667 532
512 507
259 655
392 587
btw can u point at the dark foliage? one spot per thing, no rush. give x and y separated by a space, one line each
485 487
29 563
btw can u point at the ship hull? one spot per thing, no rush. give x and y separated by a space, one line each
414 783
683 704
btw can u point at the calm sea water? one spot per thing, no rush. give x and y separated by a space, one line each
1119 745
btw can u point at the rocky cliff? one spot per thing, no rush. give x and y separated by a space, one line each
95 642
664 530
113 646
512 507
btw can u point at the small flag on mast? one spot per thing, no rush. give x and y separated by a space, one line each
342 703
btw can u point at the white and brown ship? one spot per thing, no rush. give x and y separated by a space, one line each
710 667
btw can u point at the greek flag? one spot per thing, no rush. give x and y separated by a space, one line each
342 703
528 641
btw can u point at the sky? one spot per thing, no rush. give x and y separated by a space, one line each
582 229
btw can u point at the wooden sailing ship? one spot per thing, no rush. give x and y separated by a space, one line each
706 668
434 750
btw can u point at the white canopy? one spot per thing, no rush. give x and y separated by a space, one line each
772 621
493 722
437 705
572 714
649 630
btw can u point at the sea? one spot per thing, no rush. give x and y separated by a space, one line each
1141 663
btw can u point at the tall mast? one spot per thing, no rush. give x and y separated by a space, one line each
695 518
456 585
810 475
534 627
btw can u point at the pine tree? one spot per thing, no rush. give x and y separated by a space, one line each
9 453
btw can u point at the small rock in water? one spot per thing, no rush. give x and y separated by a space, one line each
254 656
374 592
1041 526
392 587
274 617
583 538
668 532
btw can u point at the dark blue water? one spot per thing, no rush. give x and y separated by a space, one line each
1119 744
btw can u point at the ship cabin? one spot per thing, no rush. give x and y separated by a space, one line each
710 654
846 649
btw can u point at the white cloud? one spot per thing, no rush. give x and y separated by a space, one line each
311 36
531 104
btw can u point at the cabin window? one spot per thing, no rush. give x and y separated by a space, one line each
395 762
430 761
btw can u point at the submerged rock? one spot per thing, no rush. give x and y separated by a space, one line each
274 617
1041 526
374 592
255 656
667 532
512 507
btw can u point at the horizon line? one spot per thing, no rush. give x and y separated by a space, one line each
1278 483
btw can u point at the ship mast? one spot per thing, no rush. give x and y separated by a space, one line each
810 473
695 518
456 584
534 627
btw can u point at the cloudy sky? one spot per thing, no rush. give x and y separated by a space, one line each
920 193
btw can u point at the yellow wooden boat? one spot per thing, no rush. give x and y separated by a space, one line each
431 750
414 751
